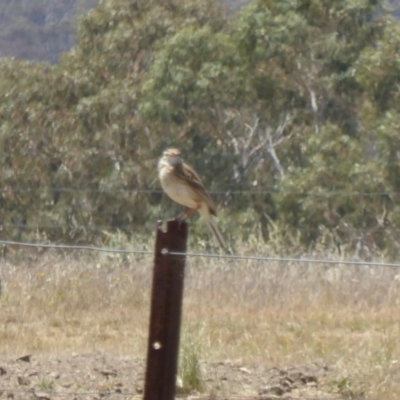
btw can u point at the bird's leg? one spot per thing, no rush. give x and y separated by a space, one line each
187 214
190 212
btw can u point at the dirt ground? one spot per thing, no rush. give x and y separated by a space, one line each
98 376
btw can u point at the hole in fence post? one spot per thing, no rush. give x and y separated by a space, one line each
165 311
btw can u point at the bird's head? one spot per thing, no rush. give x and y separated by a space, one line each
172 156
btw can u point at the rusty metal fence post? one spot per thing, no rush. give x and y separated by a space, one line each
165 311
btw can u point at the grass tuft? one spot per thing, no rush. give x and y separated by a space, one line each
189 365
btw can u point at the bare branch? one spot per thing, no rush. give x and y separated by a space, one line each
271 151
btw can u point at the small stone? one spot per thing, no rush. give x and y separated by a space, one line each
108 373
26 358
277 390
309 378
41 396
23 381
139 389
54 375
66 384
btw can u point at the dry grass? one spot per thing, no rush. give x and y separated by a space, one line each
262 313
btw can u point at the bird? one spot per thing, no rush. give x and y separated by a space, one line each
182 185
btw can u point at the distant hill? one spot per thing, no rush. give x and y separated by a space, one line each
39 29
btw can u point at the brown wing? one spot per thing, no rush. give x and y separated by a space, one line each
188 174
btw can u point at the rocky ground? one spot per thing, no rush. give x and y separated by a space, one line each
101 376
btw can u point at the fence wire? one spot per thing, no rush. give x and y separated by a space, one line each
74 247
226 191
205 255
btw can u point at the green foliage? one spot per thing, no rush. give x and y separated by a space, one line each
194 69
379 66
347 192
294 102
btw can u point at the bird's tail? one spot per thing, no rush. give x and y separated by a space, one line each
217 233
